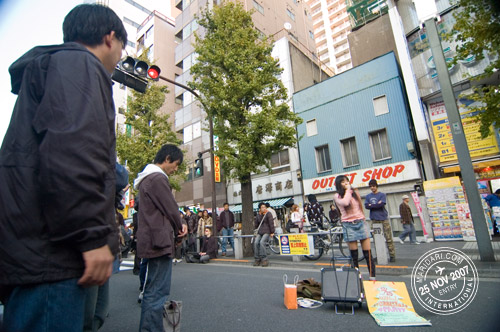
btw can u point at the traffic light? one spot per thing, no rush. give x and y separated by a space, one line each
134 73
198 167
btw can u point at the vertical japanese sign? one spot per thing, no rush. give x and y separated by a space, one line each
217 168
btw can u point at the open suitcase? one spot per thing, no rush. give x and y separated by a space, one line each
343 285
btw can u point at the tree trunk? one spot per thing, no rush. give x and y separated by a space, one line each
247 222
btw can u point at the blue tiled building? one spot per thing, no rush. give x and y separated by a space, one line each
357 123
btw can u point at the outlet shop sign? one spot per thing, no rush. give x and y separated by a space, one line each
391 173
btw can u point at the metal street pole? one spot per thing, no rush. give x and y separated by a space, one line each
212 161
460 142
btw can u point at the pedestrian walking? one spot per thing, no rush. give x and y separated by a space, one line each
227 222
353 222
407 220
375 202
160 225
192 223
264 226
57 169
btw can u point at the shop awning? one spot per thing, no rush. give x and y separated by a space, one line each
275 203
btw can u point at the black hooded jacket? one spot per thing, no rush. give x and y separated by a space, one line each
57 166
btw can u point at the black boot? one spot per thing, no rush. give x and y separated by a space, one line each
354 255
369 262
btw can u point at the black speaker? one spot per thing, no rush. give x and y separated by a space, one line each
341 285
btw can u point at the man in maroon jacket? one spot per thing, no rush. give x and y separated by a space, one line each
160 221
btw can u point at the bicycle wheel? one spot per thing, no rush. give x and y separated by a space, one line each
318 249
274 245
344 250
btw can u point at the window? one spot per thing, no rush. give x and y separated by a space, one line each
292 15
323 159
258 6
380 145
380 105
311 34
131 44
349 152
311 128
280 159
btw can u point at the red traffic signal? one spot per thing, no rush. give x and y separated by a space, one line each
140 68
154 73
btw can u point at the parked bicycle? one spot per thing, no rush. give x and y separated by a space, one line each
331 234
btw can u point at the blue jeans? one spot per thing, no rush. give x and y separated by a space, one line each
227 232
409 229
56 306
156 292
259 247
96 307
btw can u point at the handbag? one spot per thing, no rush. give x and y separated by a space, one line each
290 298
172 316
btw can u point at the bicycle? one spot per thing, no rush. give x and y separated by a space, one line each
273 245
324 242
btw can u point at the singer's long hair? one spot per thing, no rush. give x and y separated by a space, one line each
341 190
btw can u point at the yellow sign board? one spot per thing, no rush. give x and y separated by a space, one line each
296 244
444 139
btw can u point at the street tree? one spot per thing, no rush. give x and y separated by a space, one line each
148 130
240 88
477 30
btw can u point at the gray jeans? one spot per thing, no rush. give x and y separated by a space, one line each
259 246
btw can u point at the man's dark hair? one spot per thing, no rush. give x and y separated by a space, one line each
186 209
373 182
225 203
262 203
170 151
89 23
497 191
268 205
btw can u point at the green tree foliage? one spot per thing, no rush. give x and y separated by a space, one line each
150 130
477 30
240 87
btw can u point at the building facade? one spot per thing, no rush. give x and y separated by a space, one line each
358 124
288 23
331 26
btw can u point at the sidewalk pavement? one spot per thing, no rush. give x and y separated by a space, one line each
406 257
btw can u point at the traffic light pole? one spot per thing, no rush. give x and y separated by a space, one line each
457 131
212 161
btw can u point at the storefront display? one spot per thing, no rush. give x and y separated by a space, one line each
443 195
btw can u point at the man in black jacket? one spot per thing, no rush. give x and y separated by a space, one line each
227 223
57 169
264 225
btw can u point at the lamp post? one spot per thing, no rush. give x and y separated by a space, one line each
212 162
427 13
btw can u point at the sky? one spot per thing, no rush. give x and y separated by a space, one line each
25 24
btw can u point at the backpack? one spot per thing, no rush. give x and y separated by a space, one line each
309 288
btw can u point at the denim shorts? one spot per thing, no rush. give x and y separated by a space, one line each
357 230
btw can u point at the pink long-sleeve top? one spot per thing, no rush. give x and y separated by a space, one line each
349 207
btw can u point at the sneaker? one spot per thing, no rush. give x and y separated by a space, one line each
373 279
264 263
415 242
257 262
401 241
392 259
